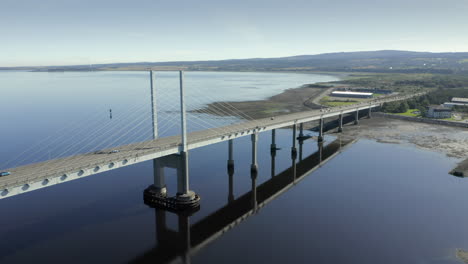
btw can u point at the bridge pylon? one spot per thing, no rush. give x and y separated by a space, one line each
156 194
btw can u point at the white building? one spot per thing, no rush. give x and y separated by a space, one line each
451 104
351 94
460 100
457 101
437 111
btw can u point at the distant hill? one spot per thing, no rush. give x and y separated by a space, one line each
365 61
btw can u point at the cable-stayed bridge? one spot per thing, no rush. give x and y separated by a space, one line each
172 151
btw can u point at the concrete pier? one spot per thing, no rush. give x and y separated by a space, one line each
356 117
159 177
301 143
293 164
301 139
340 123
320 137
253 176
230 162
230 167
273 142
301 131
156 194
254 166
273 165
320 149
294 169
293 147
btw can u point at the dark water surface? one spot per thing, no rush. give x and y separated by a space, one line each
371 203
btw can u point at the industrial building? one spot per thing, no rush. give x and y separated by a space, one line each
351 94
457 101
460 100
452 104
437 111
375 90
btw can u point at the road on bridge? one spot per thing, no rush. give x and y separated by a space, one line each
39 175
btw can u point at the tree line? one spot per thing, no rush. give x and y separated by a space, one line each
422 103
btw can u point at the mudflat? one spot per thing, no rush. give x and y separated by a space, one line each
290 101
453 141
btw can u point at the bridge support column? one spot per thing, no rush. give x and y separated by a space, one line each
231 186
294 170
230 162
301 143
183 176
356 118
320 149
293 147
253 177
301 131
294 153
369 113
159 177
273 142
273 165
156 194
340 123
230 168
273 151
320 137
254 166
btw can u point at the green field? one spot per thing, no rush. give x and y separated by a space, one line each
336 103
327 101
409 113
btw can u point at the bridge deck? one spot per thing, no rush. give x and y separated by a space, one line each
38 175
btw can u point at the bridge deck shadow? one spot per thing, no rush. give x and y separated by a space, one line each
227 217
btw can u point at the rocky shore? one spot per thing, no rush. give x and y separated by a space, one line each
453 141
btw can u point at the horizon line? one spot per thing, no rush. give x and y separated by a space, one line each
227 59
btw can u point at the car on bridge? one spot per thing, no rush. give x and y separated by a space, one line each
4 173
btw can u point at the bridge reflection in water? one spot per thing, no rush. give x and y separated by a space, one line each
178 246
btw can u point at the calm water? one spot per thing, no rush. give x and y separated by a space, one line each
371 203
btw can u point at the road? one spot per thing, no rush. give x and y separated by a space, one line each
39 175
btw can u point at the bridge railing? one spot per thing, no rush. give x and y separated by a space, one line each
47 172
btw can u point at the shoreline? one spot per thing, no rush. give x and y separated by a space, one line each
289 101
451 141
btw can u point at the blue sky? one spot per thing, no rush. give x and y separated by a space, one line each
63 32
